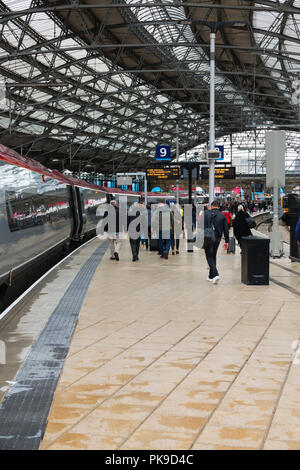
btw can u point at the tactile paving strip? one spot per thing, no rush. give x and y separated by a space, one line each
25 408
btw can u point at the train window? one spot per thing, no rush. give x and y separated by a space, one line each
19 210
26 210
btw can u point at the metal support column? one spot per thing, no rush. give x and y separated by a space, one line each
145 190
276 235
212 118
189 241
177 141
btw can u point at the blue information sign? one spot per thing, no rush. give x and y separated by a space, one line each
163 152
221 148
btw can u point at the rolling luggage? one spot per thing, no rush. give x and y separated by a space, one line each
231 245
153 244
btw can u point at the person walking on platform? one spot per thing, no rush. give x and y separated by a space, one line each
176 229
215 219
225 210
137 223
298 231
162 223
240 225
148 240
113 230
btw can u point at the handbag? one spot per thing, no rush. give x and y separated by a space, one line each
206 237
251 222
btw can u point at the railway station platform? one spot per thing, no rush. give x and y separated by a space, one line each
149 355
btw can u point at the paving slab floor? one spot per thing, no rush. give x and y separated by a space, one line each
163 359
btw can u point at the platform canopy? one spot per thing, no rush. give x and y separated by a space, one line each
97 84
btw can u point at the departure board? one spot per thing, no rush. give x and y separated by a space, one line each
227 173
162 173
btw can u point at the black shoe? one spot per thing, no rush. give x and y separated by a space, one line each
134 258
112 257
116 256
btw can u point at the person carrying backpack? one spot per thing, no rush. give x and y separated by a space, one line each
215 219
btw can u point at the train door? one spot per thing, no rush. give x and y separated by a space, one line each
76 212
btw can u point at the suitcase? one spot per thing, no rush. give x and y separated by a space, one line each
231 245
153 244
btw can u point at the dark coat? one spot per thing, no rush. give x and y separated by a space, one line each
298 230
240 226
138 211
219 222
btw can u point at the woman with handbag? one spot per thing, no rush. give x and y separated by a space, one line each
240 225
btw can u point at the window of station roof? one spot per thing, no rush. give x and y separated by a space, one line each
18 5
31 128
40 96
145 108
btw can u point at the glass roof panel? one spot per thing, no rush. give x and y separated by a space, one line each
115 97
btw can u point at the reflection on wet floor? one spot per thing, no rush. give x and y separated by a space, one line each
22 326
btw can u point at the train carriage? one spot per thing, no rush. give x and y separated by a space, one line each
43 214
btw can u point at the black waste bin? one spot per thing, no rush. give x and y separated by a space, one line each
255 261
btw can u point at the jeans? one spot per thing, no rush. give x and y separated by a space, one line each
135 246
163 244
147 240
175 241
211 257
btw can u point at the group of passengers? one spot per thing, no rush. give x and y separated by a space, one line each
165 226
249 205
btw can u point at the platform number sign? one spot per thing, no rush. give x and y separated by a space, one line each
163 152
221 148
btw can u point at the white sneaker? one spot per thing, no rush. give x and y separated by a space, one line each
209 279
216 279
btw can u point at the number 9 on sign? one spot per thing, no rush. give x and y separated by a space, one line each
163 152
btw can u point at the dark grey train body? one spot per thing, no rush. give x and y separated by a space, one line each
41 218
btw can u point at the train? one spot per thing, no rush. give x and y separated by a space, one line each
44 215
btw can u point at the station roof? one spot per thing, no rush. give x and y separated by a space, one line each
96 85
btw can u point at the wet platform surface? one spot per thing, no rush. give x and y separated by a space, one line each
162 359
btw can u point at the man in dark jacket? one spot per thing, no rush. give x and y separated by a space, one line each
137 225
218 220
298 231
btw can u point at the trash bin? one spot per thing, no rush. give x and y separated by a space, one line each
255 260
